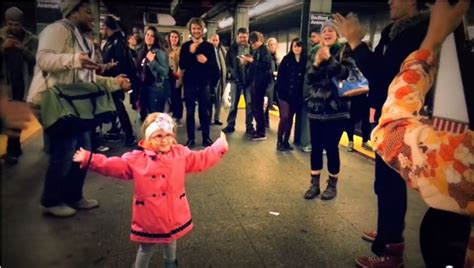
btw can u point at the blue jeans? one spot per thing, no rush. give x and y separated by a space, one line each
64 179
235 92
157 97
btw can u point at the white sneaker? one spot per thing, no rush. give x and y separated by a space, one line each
59 211
102 149
86 204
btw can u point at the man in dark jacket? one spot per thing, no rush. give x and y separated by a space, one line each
116 50
201 73
238 80
398 40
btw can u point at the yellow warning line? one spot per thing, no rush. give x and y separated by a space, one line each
33 127
344 139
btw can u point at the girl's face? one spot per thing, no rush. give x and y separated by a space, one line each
296 49
162 141
329 36
149 38
174 38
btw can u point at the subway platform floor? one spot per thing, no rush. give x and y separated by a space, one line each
248 211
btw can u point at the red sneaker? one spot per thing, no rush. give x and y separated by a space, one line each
393 258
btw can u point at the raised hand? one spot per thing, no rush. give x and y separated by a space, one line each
224 139
350 27
444 19
80 155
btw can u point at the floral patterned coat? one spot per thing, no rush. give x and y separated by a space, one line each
437 164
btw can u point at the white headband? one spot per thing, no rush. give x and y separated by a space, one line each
162 122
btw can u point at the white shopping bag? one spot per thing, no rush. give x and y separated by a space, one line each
226 96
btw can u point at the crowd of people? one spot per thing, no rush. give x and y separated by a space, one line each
161 73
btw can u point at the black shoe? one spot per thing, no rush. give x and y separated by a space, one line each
130 141
228 129
112 137
217 122
11 160
267 124
199 128
250 132
258 137
190 143
280 146
287 146
207 142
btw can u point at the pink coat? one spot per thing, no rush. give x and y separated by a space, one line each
161 211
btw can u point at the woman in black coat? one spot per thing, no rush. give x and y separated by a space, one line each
290 90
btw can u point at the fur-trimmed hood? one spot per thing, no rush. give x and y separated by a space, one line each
400 26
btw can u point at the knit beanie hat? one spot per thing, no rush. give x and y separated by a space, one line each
111 23
329 23
14 14
67 6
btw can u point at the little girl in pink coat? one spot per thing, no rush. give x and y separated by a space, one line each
161 211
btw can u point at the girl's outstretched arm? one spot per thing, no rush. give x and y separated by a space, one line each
197 161
116 167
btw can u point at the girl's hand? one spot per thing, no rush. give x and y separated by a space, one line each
80 155
224 139
444 19
150 56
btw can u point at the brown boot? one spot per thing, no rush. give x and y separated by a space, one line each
330 191
314 189
393 258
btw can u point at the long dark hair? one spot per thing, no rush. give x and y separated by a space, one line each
299 43
159 42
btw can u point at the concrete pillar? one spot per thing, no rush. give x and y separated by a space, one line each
309 8
313 6
241 19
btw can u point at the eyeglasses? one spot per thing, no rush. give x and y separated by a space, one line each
163 136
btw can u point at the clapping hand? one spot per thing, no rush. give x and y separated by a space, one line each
150 56
87 62
350 28
201 58
123 82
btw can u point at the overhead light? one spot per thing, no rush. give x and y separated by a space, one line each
224 23
165 19
267 6
257 10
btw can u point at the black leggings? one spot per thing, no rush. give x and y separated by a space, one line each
287 111
326 135
444 238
